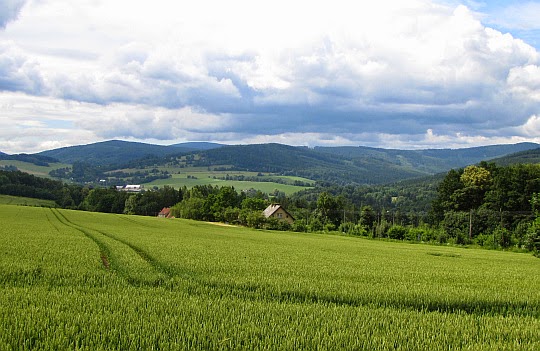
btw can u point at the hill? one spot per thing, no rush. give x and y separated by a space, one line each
111 152
304 162
198 145
38 160
528 156
351 165
337 165
428 161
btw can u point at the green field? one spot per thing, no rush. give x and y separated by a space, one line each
25 201
91 281
41 171
180 180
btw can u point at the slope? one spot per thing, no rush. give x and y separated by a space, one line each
528 156
428 161
304 162
198 145
111 152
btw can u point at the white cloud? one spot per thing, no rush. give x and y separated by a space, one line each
239 70
531 128
17 71
9 10
524 81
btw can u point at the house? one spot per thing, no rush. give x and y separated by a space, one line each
165 213
277 211
130 188
133 188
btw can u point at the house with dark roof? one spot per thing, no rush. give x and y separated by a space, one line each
277 211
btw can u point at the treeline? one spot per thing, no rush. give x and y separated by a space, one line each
485 205
489 205
17 183
225 204
77 197
37 160
83 172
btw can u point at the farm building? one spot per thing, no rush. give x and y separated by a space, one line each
130 188
277 211
165 213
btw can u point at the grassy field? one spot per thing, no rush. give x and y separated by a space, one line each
41 171
91 281
180 180
25 201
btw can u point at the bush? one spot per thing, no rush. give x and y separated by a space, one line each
484 240
397 232
231 215
414 234
533 237
352 229
255 219
315 225
503 237
299 226
276 224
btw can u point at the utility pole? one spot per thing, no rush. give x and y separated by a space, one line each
470 225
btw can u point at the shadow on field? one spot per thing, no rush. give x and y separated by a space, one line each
400 301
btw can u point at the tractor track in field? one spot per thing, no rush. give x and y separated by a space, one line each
106 253
133 221
103 250
142 254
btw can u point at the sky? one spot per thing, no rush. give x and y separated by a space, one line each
410 74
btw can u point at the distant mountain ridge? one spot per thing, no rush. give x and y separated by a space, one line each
111 152
304 162
527 156
429 161
339 165
199 145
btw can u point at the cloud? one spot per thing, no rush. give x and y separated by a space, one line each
525 82
9 10
531 128
17 71
383 72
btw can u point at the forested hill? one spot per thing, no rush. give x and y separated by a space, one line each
305 162
428 161
336 165
526 157
198 145
111 152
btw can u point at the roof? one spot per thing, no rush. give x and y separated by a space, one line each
165 212
270 210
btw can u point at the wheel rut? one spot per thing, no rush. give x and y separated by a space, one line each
118 255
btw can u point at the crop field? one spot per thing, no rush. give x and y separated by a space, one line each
41 171
180 180
91 281
25 201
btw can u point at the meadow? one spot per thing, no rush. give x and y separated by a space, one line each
40 171
91 281
25 201
193 178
